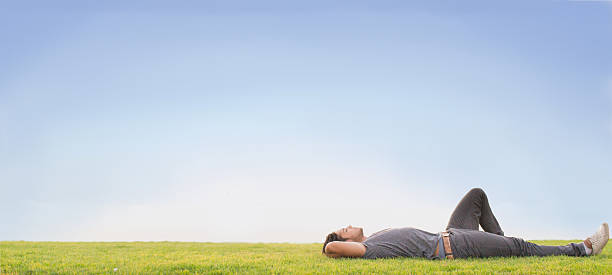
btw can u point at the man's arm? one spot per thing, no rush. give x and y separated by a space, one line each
337 249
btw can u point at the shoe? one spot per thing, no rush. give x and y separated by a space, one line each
599 239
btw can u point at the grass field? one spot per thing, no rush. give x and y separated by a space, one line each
258 258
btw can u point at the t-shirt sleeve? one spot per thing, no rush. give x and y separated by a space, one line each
366 252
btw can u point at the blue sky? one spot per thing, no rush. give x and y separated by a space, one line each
281 122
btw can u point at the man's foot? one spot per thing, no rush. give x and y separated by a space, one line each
598 240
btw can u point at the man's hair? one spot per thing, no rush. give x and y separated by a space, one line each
330 238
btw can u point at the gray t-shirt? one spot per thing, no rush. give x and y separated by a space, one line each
401 242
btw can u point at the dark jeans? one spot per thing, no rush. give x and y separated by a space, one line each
467 241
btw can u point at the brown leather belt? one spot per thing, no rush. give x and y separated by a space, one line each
447 247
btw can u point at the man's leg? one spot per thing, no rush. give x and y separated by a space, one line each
467 243
472 210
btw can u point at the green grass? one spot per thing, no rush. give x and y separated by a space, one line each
258 258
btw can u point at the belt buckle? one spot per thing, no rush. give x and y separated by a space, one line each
446 241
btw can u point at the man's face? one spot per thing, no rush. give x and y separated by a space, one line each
350 233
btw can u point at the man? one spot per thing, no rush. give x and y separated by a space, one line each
462 239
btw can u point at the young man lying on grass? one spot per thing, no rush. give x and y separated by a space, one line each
462 239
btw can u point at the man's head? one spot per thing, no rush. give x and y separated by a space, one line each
346 234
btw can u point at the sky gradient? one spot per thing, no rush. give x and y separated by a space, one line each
277 122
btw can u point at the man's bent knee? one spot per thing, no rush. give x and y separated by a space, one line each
477 191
